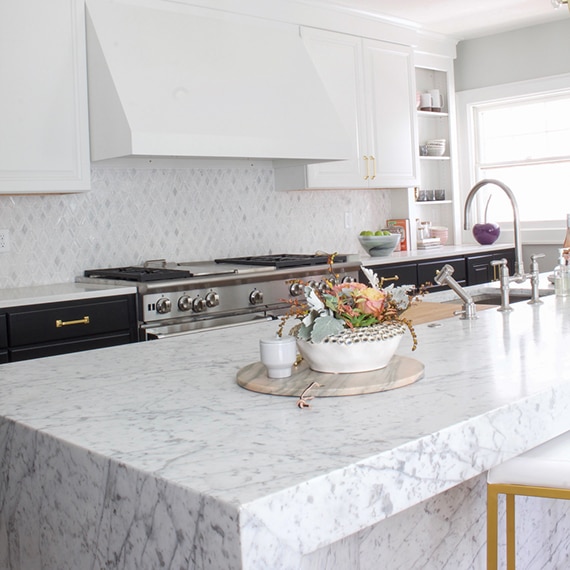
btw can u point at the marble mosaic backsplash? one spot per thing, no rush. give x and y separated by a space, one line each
182 214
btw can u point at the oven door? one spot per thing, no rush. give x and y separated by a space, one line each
156 331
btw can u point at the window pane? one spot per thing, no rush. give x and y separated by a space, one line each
524 130
542 192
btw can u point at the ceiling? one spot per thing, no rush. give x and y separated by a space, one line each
464 19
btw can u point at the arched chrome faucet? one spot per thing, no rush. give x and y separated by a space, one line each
519 275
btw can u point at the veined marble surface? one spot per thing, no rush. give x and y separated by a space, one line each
38 294
150 455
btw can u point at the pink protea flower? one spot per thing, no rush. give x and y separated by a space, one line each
371 301
343 289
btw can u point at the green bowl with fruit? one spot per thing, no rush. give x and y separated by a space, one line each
380 243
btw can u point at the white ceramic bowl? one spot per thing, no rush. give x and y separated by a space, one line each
337 358
379 246
436 147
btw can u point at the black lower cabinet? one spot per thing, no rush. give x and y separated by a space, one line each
36 331
428 270
480 270
467 269
399 274
3 340
51 349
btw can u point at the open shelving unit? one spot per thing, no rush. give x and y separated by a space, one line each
437 172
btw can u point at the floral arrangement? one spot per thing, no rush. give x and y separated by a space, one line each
350 306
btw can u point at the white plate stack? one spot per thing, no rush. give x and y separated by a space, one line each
436 147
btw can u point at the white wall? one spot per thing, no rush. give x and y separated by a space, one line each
134 214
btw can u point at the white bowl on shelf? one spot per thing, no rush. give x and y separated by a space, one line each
436 147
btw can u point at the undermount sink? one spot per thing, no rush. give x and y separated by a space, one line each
494 297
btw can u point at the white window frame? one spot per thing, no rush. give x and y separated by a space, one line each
531 232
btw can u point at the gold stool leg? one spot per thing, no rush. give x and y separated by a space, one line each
511 551
492 528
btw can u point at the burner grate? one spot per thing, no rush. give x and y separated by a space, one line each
284 260
141 274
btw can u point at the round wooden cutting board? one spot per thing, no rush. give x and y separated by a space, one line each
401 371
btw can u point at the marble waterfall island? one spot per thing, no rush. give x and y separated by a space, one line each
150 455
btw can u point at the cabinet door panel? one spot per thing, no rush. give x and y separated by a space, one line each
3 332
43 100
390 88
51 349
509 255
338 60
427 271
406 272
32 325
479 269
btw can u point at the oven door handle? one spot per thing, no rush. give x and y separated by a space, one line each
153 333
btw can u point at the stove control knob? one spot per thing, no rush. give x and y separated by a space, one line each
322 286
212 299
256 297
348 279
199 305
296 289
312 284
163 306
185 303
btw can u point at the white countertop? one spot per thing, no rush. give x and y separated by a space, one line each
427 254
55 292
162 427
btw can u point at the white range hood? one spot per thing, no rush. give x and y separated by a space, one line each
169 80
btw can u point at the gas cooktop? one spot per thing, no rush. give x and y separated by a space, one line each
141 274
283 260
160 270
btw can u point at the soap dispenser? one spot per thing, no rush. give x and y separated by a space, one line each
562 274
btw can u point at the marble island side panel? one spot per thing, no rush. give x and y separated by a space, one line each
159 455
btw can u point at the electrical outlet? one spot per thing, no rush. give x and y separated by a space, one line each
4 241
347 220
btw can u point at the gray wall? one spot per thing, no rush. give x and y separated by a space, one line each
529 53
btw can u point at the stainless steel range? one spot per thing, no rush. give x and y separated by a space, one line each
182 297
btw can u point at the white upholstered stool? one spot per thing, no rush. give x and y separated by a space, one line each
541 472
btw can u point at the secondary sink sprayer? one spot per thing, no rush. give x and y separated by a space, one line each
444 276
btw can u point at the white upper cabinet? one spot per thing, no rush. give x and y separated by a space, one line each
372 85
43 98
390 92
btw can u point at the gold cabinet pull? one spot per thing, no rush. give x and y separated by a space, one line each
365 158
84 321
383 279
373 159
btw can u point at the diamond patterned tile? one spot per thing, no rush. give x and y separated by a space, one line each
179 214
